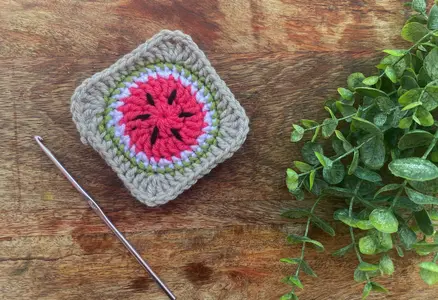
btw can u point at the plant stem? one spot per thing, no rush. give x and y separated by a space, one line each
340 157
306 232
353 239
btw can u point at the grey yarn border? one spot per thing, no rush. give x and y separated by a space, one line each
87 105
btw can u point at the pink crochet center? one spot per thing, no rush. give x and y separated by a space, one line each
162 118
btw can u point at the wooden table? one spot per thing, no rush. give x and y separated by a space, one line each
224 237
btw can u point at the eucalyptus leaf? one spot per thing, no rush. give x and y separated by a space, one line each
307 269
344 250
345 94
294 280
419 5
407 236
430 97
308 152
385 104
294 239
333 173
424 222
413 32
367 245
387 188
420 198
312 179
430 63
423 117
355 80
410 97
366 126
386 265
328 127
367 175
323 225
432 22
397 53
384 220
390 72
405 123
372 153
413 168
302 166
366 290
309 123
375 287
429 272
354 163
297 133
364 266
291 179
372 80
428 187
415 138
425 247
370 92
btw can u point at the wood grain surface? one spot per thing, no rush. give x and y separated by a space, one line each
223 238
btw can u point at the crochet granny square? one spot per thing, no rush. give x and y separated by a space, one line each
161 117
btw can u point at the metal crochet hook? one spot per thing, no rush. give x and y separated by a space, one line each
105 219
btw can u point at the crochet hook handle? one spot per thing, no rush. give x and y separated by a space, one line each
105 219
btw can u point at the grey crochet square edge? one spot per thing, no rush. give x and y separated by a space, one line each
95 107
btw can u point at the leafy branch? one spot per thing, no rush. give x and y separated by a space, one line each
380 122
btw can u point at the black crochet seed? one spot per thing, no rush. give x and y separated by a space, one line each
176 134
150 99
154 135
171 97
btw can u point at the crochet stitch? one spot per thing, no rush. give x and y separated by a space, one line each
161 117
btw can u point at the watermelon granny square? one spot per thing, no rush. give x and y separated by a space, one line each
161 117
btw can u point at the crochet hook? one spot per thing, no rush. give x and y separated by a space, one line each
100 213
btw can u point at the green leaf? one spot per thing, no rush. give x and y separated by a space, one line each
413 168
323 225
433 214
359 276
294 239
366 290
425 247
372 80
412 105
420 198
338 192
413 32
345 110
419 5
297 133
289 296
429 272
384 241
370 92
309 123
366 126
367 245
385 104
372 154
302 166
345 94
312 179
307 269
367 175
364 224
384 220
341 252
387 188
408 82
324 161
334 172
415 138
292 261
390 72
428 187
291 179
380 119
417 18
354 163
355 80
432 23
407 236
294 280
430 64
424 222
345 143
328 127
410 97
399 251
423 117
397 53
378 288
366 267
386 265
296 213
430 97
308 152
405 123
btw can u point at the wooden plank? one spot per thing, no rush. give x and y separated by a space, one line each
66 28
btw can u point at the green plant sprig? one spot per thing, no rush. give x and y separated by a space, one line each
383 134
